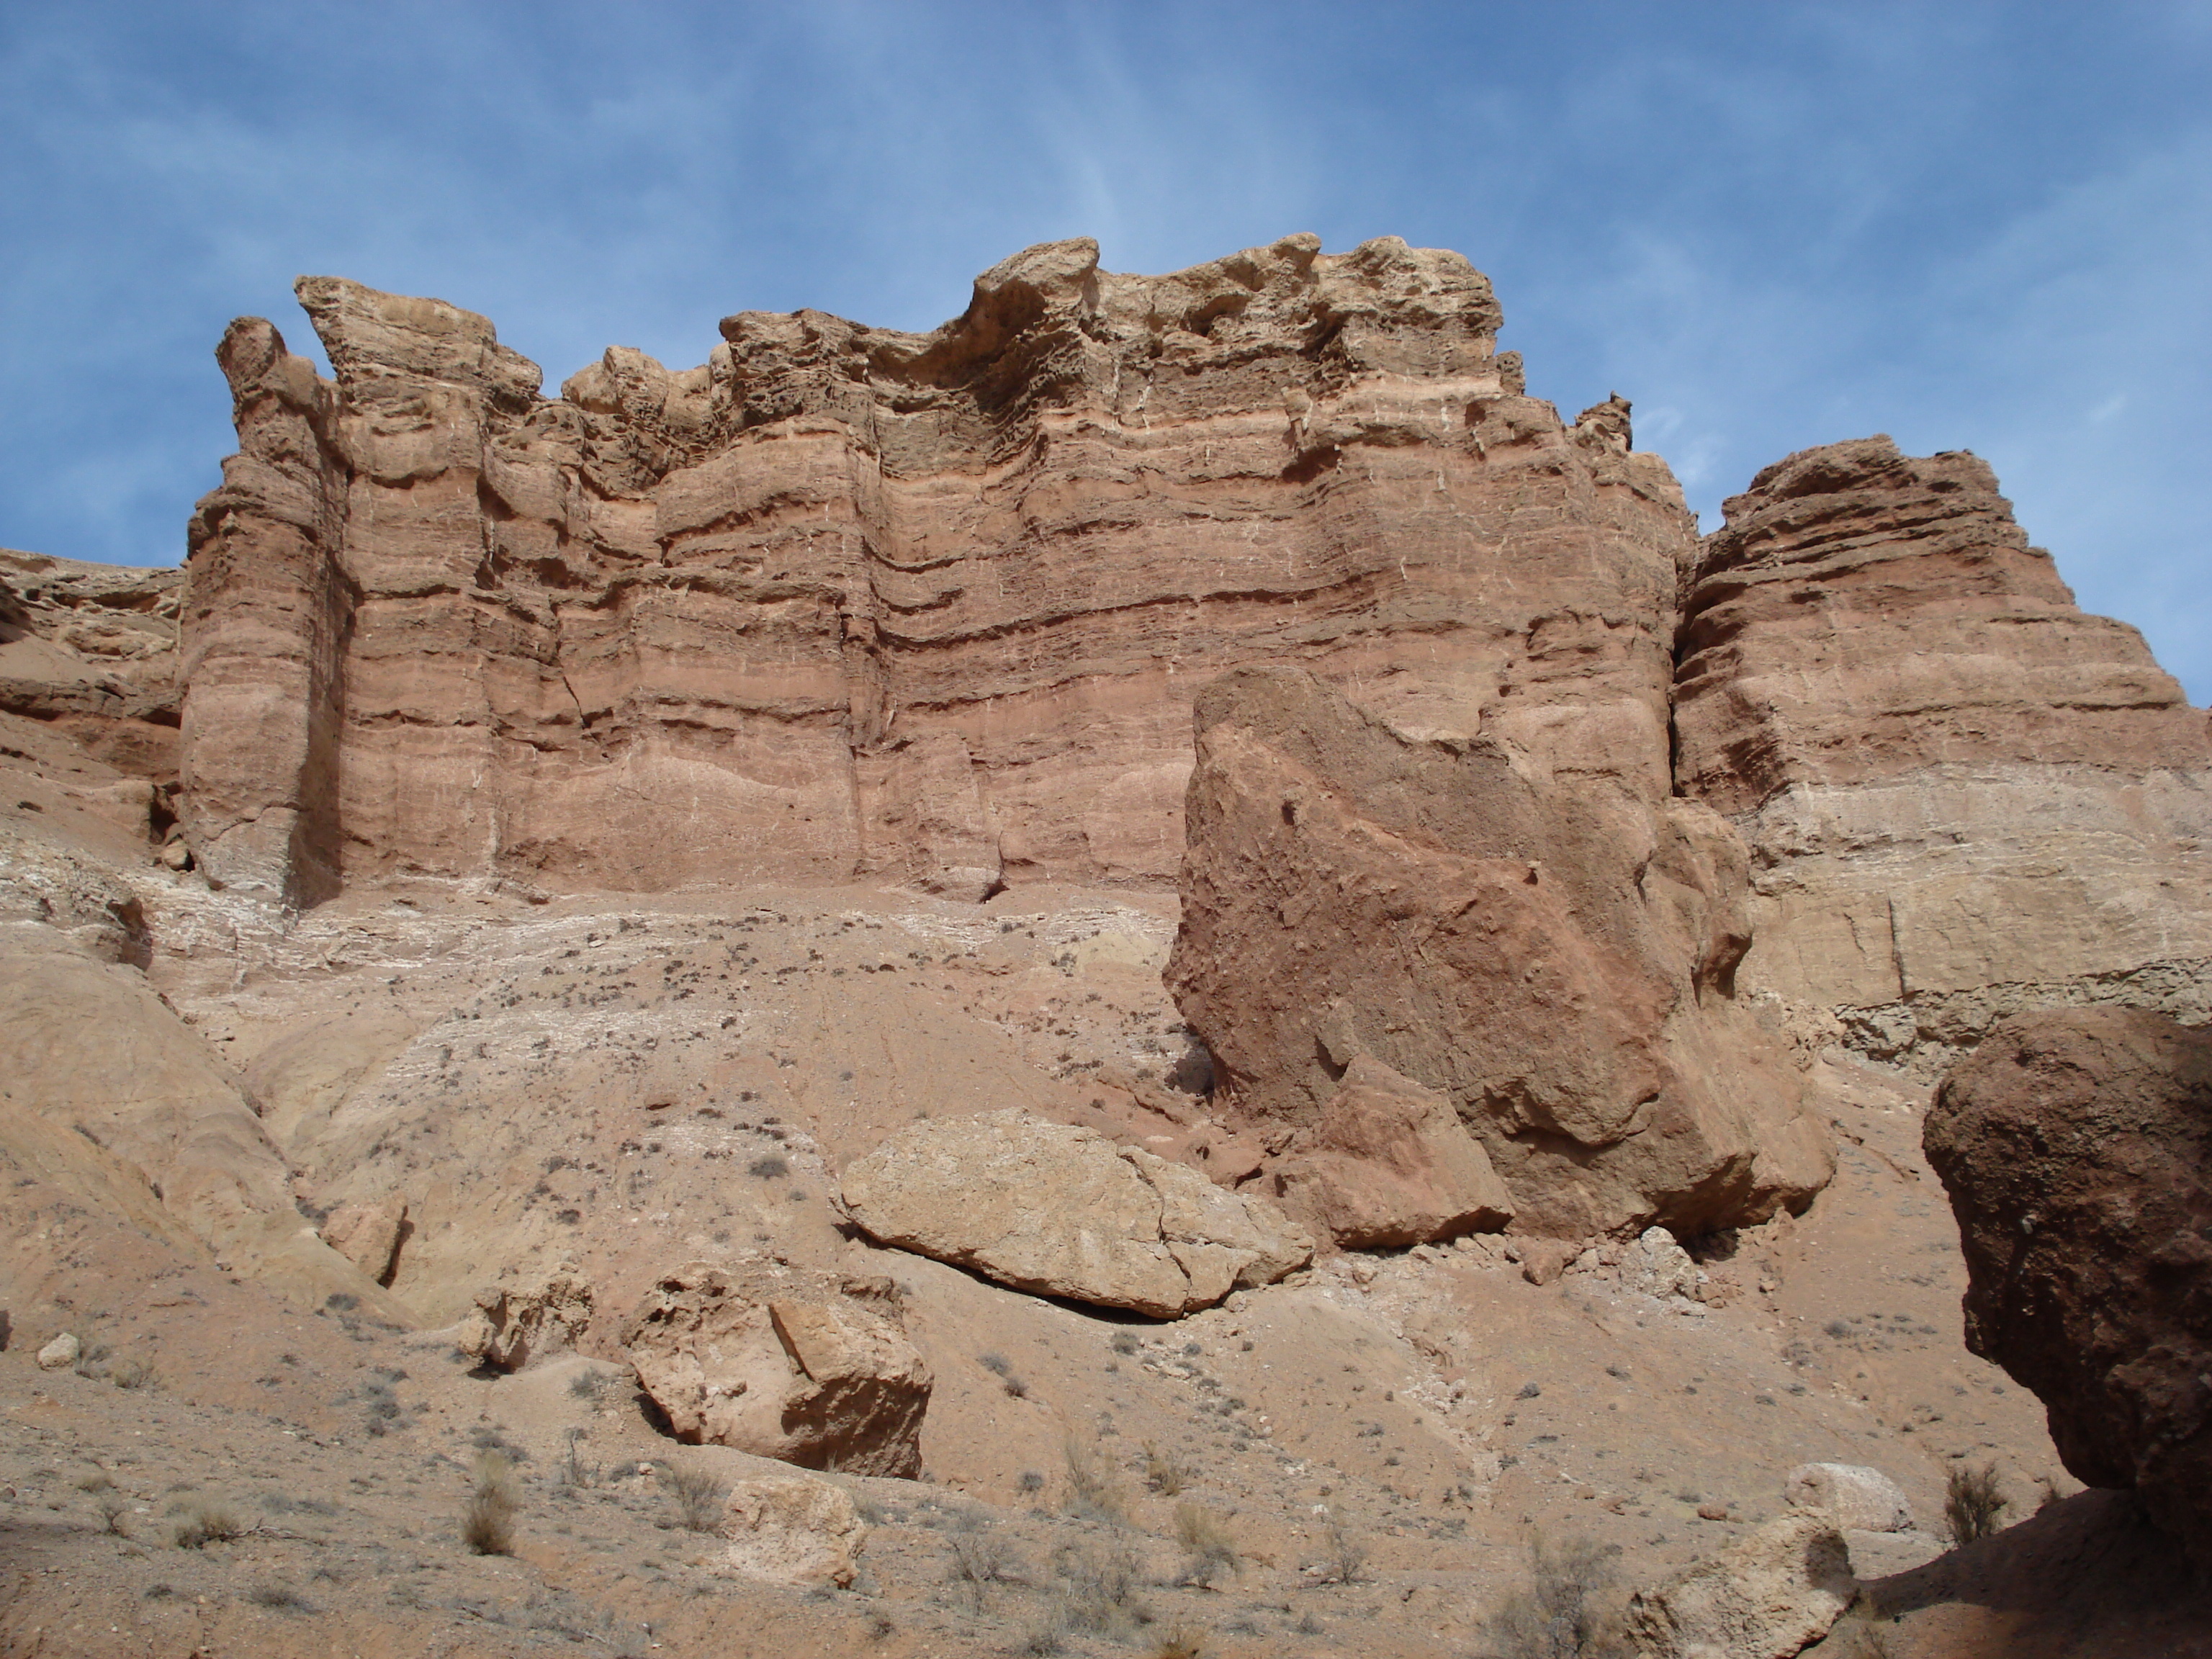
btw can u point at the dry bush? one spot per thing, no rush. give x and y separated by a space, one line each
487 1518
135 1374
208 1523
1344 1555
980 1558
1098 1589
698 1493
1181 1642
1162 1473
1090 1494
112 1508
1560 1613
1971 1502
1206 1537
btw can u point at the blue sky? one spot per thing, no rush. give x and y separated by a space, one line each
1772 225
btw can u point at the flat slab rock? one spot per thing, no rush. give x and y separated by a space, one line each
1060 1211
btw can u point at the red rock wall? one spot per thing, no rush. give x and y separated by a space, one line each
848 601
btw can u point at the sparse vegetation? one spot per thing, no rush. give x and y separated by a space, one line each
135 1374
487 1518
1091 1494
980 1558
1125 1343
1206 1541
1560 1613
1181 1642
206 1523
1972 1502
282 1598
1344 1555
1098 1590
589 1385
770 1167
1162 1473
698 1493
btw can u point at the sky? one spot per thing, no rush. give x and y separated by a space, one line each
1770 225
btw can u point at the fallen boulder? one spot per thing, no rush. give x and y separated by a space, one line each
783 1361
1769 1595
370 1236
1061 1211
2075 1146
1856 1497
1555 955
512 1323
791 1529
1389 1163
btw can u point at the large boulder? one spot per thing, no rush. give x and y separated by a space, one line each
784 1362
793 1529
1554 954
1062 1211
1769 1595
1389 1163
2074 1145
1858 1499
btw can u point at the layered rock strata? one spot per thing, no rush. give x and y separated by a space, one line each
92 648
1962 795
846 600
2076 1148
1554 955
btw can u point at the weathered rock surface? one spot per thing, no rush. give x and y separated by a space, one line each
1389 1163
1553 954
1963 797
790 1530
1769 1595
60 1352
844 600
2076 1146
370 1236
514 1323
1061 1211
1858 1499
805 1367
91 649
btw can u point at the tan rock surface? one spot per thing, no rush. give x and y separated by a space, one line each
512 1324
789 1530
804 1367
845 600
1554 956
1062 1211
1963 796
1770 1595
1858 1499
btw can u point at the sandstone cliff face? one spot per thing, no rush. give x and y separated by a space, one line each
1962 795
91 649
1555 956
844 600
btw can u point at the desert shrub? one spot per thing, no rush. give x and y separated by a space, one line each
1344 1555
1032 1481
979 1559
1971 1502
207 1523
112 1508
1124 1343
135 1374
575 1472
589 1385
99 1480
767 1168
1560 1613
1098 1589
1205 1539
1091 1494
280 1597
487 1518
995 1362
1162 1473
1181 1642
698 1493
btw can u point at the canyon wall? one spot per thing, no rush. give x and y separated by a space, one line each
1963 797
846 601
